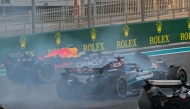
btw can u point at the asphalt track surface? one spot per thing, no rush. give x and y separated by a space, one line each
43 96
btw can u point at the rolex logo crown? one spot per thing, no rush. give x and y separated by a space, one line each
58 38
23 42
159 26
188 23
93 34
126 30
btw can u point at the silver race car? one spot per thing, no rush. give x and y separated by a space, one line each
173 93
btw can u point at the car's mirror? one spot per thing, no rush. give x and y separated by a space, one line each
139 70
152 68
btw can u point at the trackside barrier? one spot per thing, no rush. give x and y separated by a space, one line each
106 38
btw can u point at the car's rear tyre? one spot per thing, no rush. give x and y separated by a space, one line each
143 101
66 91
143 60
177 73
10 75
14 76
46 72
103 90
2 107
121 87
114 87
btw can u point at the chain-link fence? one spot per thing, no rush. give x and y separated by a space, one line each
19 17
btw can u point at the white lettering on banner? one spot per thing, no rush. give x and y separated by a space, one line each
89 63
144 77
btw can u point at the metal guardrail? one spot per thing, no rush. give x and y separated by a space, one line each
91 15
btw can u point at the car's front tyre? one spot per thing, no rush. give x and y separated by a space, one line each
121 87
14 76
46 72
143 101
177 73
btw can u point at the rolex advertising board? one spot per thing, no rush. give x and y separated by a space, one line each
105 38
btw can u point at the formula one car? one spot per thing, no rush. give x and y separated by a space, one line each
22 67
116 79
47 69
173 93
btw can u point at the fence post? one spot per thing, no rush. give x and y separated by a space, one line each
42 27
183 5
142 10
3 7
95 14
6 30
63 17
59 25
89 13
125 10
33 16
188 8
173 10
24 28
82 20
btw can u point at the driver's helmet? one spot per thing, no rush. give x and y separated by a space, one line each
127 67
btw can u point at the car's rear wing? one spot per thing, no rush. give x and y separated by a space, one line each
163 83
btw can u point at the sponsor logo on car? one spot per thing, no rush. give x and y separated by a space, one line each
27 59
64 53
143 77
90 63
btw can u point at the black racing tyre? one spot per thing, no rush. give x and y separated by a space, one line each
66 91
2 107
121 87
10 75
143 101
177 73
114 87
143 60
103 90
62 89
14 76
46 72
